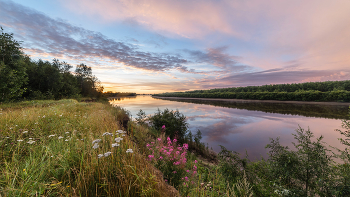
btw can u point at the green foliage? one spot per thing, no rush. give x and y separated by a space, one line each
23 78
306 171
12 71
174 121
311 91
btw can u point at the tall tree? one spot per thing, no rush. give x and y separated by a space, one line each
12 70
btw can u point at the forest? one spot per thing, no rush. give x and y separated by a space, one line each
22 78
338 91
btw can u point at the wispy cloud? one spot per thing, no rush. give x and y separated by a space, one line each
59 38
218 58
275 76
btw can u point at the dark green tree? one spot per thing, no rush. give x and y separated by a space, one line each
12 70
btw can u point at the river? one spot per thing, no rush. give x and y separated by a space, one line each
246 126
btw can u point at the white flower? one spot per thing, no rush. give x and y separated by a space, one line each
100 155
61 115
19 140
118 139
107 154
52 135
25 132
67 132
96 141
66 140
123 134
120 131
95 146
30 138
43 116
30 142
115 144
60 137
107 133
129 150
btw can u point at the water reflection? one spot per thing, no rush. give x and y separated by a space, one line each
247 126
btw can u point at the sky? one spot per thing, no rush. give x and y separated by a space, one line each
155 46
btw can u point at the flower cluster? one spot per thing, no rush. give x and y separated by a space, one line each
171 160
117 140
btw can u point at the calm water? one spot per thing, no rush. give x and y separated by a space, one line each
247 127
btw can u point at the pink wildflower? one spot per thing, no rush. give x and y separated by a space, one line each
163 127
186 178
195 161
174 172
195 167
185 146
174 140
187 170
177 152
159 139
160 157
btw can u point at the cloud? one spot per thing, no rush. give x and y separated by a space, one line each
275 76
218 58
57 37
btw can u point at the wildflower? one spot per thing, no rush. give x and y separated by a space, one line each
96 141
115 144
163 127
160 157
52 135
129 150
187 170
118 139
107 133
67 132
186 178
19 140
107 154
60 137
175 140
151 156
30 138
100 155
30 142
159 139
195 167
25 132
95 146
66 140
185 146
123 134
195 161
174 172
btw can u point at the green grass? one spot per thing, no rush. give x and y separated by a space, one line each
61 161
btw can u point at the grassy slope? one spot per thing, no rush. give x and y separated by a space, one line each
69 166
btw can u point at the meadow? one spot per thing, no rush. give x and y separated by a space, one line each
71 148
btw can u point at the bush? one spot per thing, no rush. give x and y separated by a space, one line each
174 121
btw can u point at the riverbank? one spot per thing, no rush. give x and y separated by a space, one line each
255 101
70 148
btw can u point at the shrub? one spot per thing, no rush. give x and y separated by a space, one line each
174 121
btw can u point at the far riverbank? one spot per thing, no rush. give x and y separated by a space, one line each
256 101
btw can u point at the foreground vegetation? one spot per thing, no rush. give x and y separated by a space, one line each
67 148
312 91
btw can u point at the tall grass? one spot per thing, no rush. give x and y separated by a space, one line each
46 149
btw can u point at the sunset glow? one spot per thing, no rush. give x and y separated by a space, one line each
156 46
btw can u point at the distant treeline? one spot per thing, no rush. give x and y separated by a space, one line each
22 78
310 91
118 94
